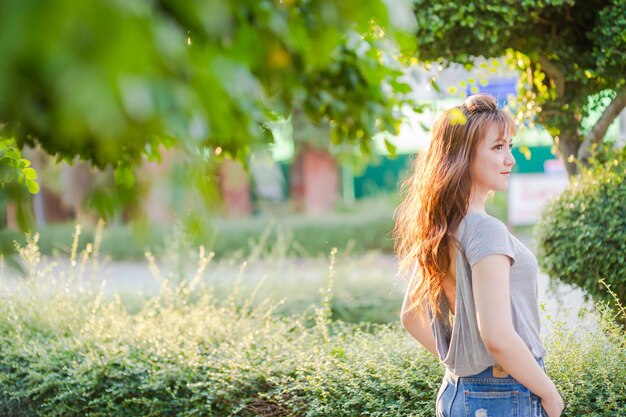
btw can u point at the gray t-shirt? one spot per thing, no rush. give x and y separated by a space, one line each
460 347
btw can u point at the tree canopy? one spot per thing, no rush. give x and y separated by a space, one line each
566 51
110 81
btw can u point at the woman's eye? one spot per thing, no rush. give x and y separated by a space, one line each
511 146
498 147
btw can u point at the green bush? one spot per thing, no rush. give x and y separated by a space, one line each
367 226
306 236
188 354
582 233
189 351
588 364
118 242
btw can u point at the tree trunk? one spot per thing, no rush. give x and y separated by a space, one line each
597 133
568 143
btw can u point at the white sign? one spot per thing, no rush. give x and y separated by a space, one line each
528 194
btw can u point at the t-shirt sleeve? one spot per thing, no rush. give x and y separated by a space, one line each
489 237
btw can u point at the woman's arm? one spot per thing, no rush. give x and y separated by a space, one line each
490 278
417 323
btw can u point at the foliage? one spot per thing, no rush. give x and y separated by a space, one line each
115 83
112 81
66 352
610 44
582 233
17 181
577 362
14 168
565 51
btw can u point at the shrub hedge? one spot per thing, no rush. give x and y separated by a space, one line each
186 353
72 356
582 233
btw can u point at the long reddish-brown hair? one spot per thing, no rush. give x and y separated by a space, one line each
437 196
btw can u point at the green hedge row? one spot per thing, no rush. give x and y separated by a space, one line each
297 236
185 353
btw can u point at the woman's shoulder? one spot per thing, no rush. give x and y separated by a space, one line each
483 224
480 217
485 235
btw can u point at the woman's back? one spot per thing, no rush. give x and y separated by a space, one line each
459 344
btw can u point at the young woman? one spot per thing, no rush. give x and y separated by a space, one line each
472 294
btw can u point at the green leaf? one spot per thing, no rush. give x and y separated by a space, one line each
29 173
391 148
434 85
406 42
32 186
335 136
13 153
402 88
124 176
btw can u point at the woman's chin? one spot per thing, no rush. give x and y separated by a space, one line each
500 189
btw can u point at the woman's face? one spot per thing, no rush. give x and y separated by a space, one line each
493 161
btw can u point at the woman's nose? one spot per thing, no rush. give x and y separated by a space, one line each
510 159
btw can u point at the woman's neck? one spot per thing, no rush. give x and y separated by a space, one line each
477 201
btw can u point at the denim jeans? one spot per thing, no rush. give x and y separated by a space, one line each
485 395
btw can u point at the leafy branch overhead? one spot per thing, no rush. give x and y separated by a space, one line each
111 82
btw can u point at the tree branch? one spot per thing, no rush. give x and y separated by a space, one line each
598 131
553 72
